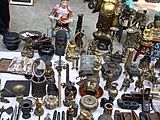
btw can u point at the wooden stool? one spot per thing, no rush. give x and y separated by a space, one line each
144 45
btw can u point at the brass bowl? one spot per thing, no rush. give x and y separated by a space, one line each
19 88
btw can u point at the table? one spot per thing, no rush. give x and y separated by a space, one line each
73 75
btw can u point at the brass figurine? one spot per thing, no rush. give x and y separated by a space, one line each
126 83
72 51
109 11
28 50
72 111
48 72
38 110
139 83
85 115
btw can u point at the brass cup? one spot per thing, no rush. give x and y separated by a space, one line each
18 90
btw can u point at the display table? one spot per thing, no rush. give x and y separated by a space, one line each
73 74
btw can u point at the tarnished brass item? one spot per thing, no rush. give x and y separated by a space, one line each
28 50
70 90
139 83
2 99
72 111
129 58
111 71
89 103
126 83
113 92
38 110
91 85
51 102
18 90
116 57
85 115
48 72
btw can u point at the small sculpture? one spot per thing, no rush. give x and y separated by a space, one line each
85 115
72 111
109 11
139 83
38 110
28 50
126 83
62 14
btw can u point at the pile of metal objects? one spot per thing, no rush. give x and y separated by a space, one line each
119 71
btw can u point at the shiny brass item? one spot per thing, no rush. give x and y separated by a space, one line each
48 72
51 102
72 52
85 115
38 110
19 92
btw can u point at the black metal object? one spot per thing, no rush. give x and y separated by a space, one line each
11 40
60 43
46 50
78 38
8 110
26 108
144 98
127 104
54 115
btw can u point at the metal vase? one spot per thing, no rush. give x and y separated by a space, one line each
38 87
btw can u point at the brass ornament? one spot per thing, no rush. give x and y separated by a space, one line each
51 102
18 90
39 111
89 103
